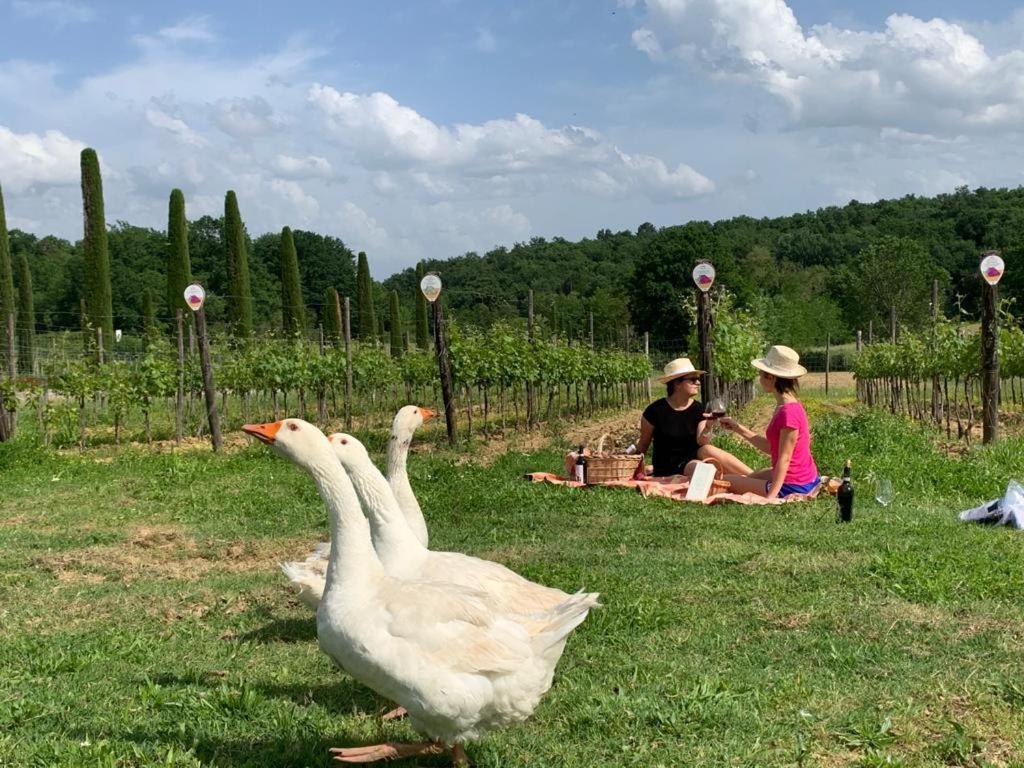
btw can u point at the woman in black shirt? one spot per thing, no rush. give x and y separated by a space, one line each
676 423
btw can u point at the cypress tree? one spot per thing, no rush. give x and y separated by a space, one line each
96 257
365 317
149 314
292 308
6 284
422 334
240 300
396 326
26 316
179 267
331 326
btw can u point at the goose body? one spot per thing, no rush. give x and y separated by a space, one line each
459 666
307 576
404 557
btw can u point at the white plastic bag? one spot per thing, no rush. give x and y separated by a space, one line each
1008 510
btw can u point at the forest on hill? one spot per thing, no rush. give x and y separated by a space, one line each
805 276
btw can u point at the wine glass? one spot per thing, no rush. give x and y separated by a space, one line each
883 491
717 408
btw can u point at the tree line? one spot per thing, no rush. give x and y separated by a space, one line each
808 276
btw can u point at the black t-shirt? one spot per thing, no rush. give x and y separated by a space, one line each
675 435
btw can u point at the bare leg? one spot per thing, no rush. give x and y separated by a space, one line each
731 465
745 484
390 751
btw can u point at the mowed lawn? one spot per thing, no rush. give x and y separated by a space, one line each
143 619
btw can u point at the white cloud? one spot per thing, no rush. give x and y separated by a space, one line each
195 29
389 135
923 76
485 41
175 126
246 118
59 12
307 167
304 204
27 159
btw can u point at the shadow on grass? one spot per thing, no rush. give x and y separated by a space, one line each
284 752
283 631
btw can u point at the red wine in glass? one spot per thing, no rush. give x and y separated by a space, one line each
717 408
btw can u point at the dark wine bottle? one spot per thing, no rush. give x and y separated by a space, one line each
845 496
580 470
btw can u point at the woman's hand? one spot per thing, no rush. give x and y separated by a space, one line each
728 423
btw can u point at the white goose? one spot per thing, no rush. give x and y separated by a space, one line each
307 576
459 667
404 557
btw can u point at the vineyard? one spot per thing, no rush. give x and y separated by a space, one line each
77 400
935 374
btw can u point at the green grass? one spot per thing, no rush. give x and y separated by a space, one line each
143 620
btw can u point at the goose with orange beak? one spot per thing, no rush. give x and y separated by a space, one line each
459 666
307 576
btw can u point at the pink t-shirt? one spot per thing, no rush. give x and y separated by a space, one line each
802 468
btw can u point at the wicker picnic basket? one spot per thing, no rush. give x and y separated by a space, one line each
602 467
718 485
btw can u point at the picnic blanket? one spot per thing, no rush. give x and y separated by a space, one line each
671 487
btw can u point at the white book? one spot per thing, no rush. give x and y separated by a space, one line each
700 483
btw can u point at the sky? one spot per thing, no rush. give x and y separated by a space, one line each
429 128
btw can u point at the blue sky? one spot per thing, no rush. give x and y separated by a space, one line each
431 128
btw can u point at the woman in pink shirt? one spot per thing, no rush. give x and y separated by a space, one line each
788 436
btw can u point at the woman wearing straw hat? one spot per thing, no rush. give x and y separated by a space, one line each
788 436
676 424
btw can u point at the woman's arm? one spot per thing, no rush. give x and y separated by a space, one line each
702 437
758 441
646 434
787 444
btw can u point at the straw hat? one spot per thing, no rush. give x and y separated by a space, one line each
681 366
782 362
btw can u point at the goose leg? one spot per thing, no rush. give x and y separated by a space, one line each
459 757
390 751
395 714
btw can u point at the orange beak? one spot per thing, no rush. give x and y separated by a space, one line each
427 414
265 433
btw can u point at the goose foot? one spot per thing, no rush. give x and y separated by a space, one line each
389 751
459 757
395 714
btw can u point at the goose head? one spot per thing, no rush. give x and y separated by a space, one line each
294 439
408 419
350 452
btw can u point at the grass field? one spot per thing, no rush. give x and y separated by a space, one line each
143 620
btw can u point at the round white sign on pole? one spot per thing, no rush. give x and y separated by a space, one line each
992 267
431 287
704 276
195 296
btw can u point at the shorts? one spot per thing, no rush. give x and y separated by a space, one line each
791 488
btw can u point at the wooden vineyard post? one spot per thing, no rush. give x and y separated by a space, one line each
828 359
703 278
321 393
430 286
194 297
530 405
991 270
647 354
591 330
936 400
347 327
179 399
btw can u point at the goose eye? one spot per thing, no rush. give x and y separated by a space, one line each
293 427
344 441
